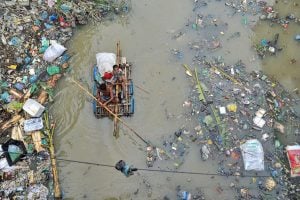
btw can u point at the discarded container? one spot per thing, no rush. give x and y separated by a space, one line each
33 124
33 108
297 37
253 155
293 154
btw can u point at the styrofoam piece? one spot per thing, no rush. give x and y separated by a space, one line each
33 108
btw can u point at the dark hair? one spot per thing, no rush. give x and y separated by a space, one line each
120 165
102 86
115 66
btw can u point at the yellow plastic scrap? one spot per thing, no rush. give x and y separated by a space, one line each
209 141
232 107
12 66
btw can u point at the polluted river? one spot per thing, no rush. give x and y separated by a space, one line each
157 42
149 37
216 94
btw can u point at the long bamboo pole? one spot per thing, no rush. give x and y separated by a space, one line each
50 130
116 127
108 110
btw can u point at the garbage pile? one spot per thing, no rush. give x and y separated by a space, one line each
268 14
32 60
268 47
174 148
240 116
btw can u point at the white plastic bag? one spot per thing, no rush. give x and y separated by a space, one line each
51 3
105 62
253 155
53 52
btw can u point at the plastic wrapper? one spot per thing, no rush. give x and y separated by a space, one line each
293 154
253 155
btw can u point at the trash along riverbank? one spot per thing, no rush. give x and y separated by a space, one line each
240 115
33 59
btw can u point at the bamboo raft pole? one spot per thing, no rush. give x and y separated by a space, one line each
50 131
116 126
108 110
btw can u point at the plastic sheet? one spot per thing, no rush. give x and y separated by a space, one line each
53 52
253 155
105 62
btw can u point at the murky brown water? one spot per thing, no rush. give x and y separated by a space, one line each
146 39
280 65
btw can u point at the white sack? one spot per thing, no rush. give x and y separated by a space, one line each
53 52
105 62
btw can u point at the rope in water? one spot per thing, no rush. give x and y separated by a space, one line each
150 170
160 170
